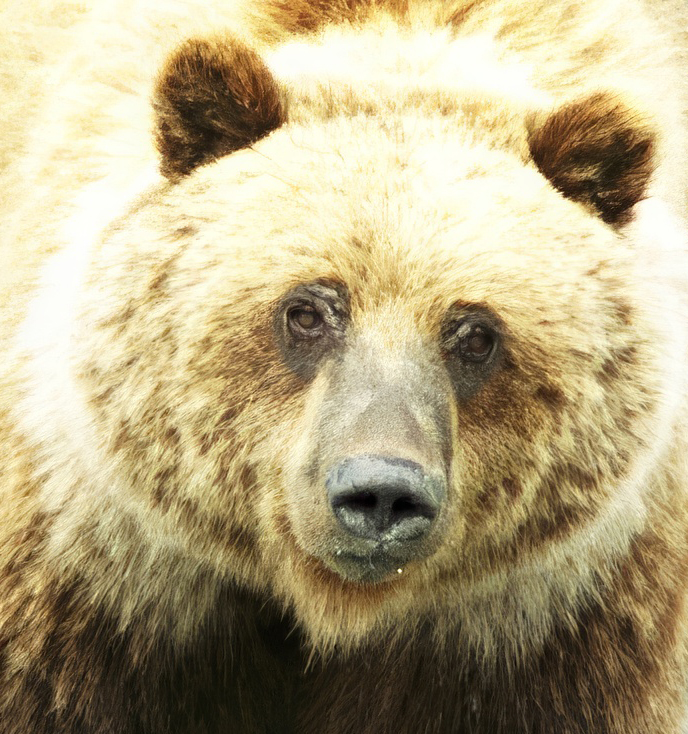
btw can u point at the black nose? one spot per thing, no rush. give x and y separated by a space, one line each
383 498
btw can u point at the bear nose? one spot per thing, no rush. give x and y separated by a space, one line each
381 498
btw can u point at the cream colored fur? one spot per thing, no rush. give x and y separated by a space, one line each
79 155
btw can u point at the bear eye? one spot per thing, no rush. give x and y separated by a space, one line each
472 345
310 324
475 342
304 320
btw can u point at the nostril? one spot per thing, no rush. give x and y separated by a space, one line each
358 501
407 507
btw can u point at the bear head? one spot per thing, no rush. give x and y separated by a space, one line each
368 363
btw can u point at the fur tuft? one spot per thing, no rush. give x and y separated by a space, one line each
598 152
212 98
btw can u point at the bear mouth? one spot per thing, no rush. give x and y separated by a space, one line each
378 566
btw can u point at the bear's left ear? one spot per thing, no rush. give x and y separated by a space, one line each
598 152
211 98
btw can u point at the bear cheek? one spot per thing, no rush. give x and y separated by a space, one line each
507 436
501 454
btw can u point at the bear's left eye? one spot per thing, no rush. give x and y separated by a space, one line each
475 342
470 337
472 347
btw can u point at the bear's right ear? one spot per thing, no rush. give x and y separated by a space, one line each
211 98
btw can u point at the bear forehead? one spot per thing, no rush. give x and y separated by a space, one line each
419 207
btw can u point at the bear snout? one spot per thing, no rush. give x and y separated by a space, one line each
387 504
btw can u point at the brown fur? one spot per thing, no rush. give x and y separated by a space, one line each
596 152
579 682
212 98
169 558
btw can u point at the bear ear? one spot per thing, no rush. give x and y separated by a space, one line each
211 98
598 152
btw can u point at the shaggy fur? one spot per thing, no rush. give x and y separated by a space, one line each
177 183
596 152
212 99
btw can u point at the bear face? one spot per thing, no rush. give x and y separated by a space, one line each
422 309
351 397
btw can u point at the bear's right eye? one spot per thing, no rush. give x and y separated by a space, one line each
310 323
305 321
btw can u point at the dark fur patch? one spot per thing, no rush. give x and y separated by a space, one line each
88 676
212 98
597 152
619 365
552 396
463 12
578 683
623 311
512 487
307 16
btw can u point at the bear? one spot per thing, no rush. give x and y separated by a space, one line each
344 378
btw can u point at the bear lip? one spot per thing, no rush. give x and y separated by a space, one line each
365 569
378 565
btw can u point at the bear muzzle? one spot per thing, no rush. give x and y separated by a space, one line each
386 509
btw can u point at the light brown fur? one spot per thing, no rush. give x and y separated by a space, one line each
169 561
